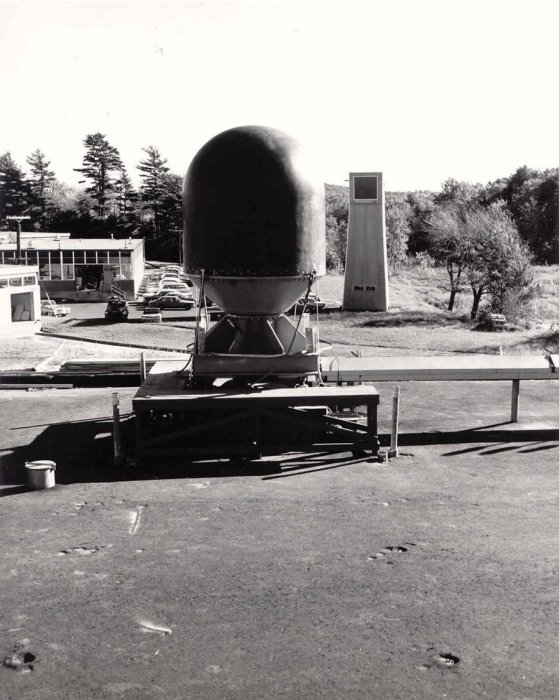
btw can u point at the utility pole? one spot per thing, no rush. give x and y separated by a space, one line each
19 218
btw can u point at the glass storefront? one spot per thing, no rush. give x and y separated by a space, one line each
69 265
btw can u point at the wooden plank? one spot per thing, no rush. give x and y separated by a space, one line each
436 368
329 396
35 386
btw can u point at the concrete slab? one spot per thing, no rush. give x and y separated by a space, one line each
429 576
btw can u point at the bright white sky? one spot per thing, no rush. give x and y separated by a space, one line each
421 89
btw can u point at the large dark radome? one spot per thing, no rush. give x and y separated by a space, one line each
254 220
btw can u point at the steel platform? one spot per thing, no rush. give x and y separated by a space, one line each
175 421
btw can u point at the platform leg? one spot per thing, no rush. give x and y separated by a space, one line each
258 435
393 451
117 442
514 400
372 428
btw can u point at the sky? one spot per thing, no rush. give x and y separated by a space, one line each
422 90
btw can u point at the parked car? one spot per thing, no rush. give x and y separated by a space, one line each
151 314
176 285
166 291
117 309
173 301
314 303
173 278
51 308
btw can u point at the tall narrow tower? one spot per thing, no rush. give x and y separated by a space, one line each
366 272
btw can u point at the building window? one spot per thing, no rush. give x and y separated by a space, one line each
365 188
15 281
31 279
125 271
68 272
22 307
44 272
3 283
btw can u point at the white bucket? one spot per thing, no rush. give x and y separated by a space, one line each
40 474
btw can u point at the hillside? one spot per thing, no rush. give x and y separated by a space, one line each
418 323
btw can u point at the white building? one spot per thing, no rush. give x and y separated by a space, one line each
78 269
20 301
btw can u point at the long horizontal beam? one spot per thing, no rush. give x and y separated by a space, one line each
436 368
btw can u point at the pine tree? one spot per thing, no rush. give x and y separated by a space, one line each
14 188
153 189
100 161
40 185
126 200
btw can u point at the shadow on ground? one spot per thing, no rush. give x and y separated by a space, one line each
83 452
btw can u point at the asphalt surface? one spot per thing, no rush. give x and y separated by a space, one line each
89 310
433 575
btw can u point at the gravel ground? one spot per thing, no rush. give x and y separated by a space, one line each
430 576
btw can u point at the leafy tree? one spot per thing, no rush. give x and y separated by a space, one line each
14 189
447 242
101 160
482 244
421 205
153 189
532 197
337 217
458 193
495 258
397 231
40 184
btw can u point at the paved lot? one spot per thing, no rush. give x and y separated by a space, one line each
84 311
434 575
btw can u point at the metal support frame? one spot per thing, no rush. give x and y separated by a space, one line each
252 424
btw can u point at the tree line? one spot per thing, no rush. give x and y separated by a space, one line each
486 236
106 204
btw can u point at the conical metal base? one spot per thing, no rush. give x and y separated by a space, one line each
254 347
255 336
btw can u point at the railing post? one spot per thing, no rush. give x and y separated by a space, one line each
393 450
142 367
117 446
515 400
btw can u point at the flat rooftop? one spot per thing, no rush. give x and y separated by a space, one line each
17 269
75 244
